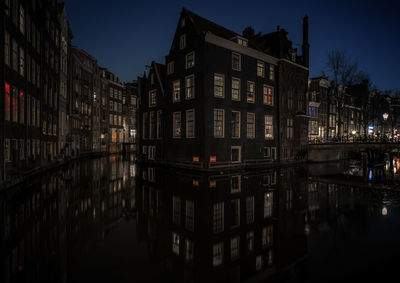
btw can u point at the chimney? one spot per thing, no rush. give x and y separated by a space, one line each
305 47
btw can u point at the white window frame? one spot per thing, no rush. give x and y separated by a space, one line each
170 67
232 125
238 89
192 87
251 134
260 69
176 92
269 127
223 123
193 134
268 92
217 88
240 153
152 96
189 64
240 61
249 83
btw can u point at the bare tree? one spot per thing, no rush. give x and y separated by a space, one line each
342 70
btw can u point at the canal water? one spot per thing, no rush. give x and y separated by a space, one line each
112 220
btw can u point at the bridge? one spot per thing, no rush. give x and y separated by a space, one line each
320 152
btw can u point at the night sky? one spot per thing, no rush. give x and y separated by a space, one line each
125 36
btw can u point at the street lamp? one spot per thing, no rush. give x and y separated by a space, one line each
385 116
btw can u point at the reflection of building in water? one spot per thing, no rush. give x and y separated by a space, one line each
227 227
55 218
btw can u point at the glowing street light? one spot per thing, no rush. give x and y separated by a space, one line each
385 116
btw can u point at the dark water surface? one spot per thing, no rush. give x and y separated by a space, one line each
110 220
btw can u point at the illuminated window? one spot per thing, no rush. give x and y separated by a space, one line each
219 121
219 85
267 236
176 125
190 123
236 61
268 203
271 72
176 92
268 127
260 69
235 89
250 92
218 254
190 60
268 95
152 98
182 41
7 102
189 87
235 124
175 243
251 125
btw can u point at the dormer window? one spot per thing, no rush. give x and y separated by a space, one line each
240 40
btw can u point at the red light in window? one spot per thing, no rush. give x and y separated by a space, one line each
213 159
8 88
21 94
213 184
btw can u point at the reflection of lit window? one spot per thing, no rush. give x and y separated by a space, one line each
259 262
267 236
250 241
268 201
189 251
218 217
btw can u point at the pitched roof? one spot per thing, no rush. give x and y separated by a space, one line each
203 25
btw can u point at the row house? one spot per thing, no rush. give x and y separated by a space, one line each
322 116
129 109
30 75
224 96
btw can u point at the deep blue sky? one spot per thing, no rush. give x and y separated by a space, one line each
127 35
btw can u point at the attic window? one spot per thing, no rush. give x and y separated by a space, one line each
241 41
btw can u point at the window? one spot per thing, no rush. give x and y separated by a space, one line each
218 217
7 150
15 55
235 184
21 62
236 61
177 125
21 107
7 98
21 19
189 250
144 149
7 49
250 241
219 120
151 125
176 210
235 210
190 123
250 92
189 84
152 98
271 72
289 129
14 104
249 209
267 152
236 89
182 41
251 125
218 254
170 67
290 100
236 154
159 124
268 127
189 221
273 153
260 69
190 60
176 96
235 248
235 124
268 95
267 236
175 243
219 85
268 202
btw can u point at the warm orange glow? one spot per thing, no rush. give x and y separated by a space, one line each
195 182
213 159
195 159
213 184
